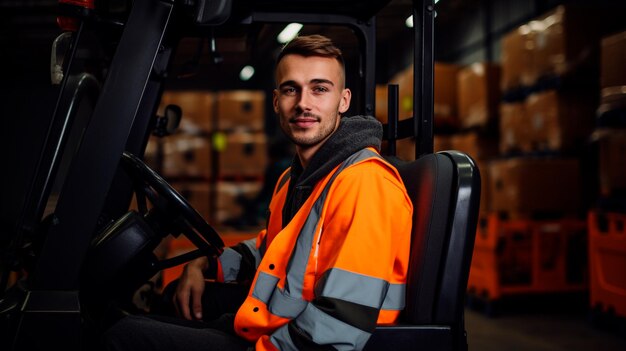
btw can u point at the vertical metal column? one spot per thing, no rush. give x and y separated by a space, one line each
487 22
93 168
392 117
423 71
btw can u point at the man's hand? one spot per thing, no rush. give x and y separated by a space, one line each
190 288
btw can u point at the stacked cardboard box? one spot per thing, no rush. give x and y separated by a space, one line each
546 116
185 156
611 134
220 138
197 108
529 185
197 194
240 109
561 42
445 95
613 56
516 60
243 155
557 121
240 143
227 204
513 129
612 161
479 95
547 121
482 148
405 148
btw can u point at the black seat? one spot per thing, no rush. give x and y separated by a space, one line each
445 190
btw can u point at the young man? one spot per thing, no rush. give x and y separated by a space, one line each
332 263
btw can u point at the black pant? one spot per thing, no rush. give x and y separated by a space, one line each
162 332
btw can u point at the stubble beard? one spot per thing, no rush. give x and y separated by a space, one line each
304 141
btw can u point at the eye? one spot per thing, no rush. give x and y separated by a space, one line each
320 89
289 91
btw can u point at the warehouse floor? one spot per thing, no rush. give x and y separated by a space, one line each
539 329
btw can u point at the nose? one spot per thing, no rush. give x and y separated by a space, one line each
304 102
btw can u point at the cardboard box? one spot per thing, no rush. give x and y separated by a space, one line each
481 149
613 57
476 146
560 42
197 195
485 198
612 161
241 109
558 121
479 95
381 103
612 102
227 206
405 149
197 107
526 185
244 154
516 59
445 94
513 131
404 80
566 39
442 142
186 156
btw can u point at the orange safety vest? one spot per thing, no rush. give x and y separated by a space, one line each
350 240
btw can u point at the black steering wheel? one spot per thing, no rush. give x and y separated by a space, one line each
170 203
121 256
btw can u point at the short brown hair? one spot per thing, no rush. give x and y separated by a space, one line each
312 45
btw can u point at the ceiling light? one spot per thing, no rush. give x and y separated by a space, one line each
246 73
409 21
289 32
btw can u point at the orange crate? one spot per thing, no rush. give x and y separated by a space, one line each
607 261
182 245
522 256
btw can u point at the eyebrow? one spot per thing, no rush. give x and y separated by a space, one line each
322 81
312 81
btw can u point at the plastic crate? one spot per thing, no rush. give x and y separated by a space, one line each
526 256
607 261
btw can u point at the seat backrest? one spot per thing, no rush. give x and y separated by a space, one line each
445 190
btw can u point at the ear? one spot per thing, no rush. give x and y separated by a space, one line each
344 103
275 100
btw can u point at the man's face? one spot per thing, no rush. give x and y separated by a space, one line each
309 99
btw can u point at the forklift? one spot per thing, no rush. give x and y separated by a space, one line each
81 253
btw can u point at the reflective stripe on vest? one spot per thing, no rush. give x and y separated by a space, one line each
323 330
281 182
230 260
340 284
288 303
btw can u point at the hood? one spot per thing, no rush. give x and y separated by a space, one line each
353 134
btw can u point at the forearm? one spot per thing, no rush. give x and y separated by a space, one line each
239 263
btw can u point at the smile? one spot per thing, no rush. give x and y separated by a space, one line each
303 122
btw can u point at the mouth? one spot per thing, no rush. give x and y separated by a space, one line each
304 121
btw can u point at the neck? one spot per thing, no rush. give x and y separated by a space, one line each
306 153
